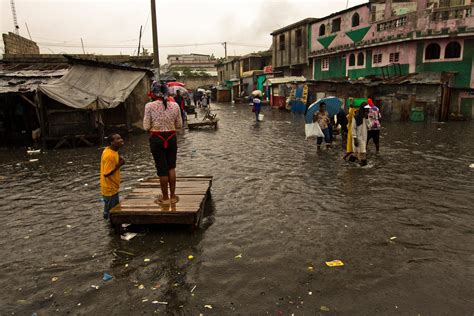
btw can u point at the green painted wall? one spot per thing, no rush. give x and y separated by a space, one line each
326 41
358 35
337 68
463 67
370 71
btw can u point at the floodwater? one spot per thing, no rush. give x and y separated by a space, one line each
403 227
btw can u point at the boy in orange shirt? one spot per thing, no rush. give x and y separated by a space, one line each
110 164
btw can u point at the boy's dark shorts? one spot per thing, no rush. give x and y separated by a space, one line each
375 135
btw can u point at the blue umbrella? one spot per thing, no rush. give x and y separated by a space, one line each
333 105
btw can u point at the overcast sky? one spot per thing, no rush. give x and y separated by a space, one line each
112 27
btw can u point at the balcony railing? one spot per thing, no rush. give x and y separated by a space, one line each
450 3
444 14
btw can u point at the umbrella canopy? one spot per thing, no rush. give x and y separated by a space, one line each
174 89
333 105
175 83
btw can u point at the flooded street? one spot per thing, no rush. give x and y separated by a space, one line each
279 211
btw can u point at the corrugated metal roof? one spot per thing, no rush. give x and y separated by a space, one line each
25 77
286 80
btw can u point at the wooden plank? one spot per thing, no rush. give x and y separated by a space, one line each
139 206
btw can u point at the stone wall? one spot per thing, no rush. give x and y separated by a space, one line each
16 44
192 83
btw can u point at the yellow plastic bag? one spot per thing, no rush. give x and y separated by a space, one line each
334 263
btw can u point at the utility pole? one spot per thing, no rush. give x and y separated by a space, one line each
156 55
225 49
82 43
28 31
139 40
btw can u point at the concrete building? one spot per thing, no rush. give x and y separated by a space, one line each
382 40
290 48
193 62
228 69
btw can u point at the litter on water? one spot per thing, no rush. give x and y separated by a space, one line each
95 286
190 257
54 279
208 306
106 277
324 308
239 256
140 180
158 302
128 236
34 160
33 152
334 263
146 260
141 287
393 238
471 165
194 287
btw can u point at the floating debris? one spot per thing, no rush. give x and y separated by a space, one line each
310 293
471 165
158 302
95 286
107 277
146 260
393 238
239 256
141 287
310 269
140 180
144 300
334 263
190 257
33 152
68 226
128 236
324 308
194 287
54 279
208 306
33 160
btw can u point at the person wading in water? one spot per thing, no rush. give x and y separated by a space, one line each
110 164
162 119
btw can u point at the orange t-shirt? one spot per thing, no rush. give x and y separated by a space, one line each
109 185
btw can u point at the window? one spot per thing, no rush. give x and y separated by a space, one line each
281 40
322 30
453 50
377 59
232 66
360 59
226 67
432 51
336 25
394 57
352 60
355 20
325 64
299 38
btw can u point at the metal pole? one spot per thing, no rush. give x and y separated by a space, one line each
28 31
139 40
82 43
156 56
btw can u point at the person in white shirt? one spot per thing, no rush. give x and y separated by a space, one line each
359 133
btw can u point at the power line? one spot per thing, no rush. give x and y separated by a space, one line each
117 45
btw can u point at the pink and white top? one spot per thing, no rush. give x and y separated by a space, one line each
159 119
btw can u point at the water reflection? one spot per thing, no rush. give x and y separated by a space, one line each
276 202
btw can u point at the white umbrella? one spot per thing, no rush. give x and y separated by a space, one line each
257 93
173 90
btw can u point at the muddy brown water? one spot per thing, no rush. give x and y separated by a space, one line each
279 210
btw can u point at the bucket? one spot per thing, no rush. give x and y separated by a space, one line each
260 117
